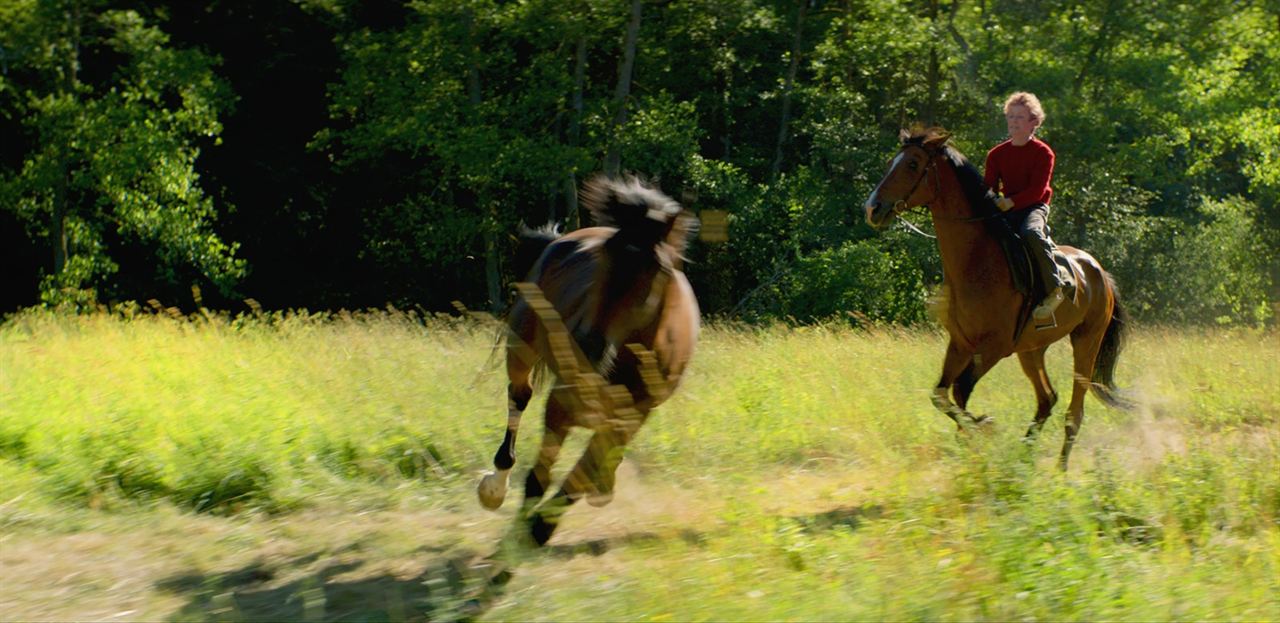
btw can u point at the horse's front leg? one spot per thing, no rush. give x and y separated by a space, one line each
960 369
596 472
493 487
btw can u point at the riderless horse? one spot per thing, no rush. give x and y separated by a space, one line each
607 310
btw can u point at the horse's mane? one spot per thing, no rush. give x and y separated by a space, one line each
626 202
975 188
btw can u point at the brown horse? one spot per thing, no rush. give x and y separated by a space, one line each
984 312
609 312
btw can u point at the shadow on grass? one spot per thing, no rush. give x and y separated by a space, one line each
453 586
848 517
457 586
597 547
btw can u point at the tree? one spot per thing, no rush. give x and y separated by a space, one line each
613 158
455 114
112 118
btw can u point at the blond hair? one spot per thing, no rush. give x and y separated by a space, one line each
1023 98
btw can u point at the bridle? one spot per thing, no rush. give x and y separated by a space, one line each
929 167
899 206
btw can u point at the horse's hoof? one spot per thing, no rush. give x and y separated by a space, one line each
600 499
540 529
492 490
983 421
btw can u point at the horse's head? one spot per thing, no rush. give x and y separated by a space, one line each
904 186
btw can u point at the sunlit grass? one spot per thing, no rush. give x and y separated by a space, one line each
798 474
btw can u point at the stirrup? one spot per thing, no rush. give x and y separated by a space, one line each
1044 314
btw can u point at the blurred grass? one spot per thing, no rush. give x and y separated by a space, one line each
256 411
814 475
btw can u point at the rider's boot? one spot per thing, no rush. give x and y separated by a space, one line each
1043 313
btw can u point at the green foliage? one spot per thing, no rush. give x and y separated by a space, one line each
447 124
862 278
661 137
112 158
1214 271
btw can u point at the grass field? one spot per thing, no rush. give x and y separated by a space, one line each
323 468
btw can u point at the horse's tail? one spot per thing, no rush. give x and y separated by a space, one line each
530 245
1112 342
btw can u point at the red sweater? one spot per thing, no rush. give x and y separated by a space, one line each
1021 173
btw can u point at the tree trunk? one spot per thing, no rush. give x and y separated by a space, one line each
787 87
613 159
931 104
61 198
58 222
967 79
575 129
1095 49
492 274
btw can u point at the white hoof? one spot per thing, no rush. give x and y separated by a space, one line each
600 499
492 489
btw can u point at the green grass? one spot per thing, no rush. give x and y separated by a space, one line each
293 466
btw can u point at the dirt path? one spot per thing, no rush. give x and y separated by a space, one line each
326 563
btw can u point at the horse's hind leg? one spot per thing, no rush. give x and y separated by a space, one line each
1085 341
542 522
1033 366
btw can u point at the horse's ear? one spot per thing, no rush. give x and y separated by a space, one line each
903 136
683 227
938 138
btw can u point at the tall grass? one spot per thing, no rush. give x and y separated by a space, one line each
259 411
824 484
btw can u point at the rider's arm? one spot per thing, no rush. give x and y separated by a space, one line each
991 171
991 175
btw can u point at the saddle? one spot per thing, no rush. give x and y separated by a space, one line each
1026 279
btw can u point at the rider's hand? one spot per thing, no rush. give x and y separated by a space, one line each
1004 203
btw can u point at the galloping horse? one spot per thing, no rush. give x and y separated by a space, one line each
984 312
611 310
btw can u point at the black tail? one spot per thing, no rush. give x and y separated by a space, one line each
531 244
1112 343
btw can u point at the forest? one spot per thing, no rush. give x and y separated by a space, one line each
345 154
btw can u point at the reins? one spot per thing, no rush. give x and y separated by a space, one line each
912 226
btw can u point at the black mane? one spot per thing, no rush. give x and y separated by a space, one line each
975 188
974 185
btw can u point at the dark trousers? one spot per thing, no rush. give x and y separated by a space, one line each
1032 225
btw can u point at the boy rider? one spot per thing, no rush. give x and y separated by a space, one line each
1021 168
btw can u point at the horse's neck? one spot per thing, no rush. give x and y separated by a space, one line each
971 257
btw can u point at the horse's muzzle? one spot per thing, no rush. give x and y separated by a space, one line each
877 213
